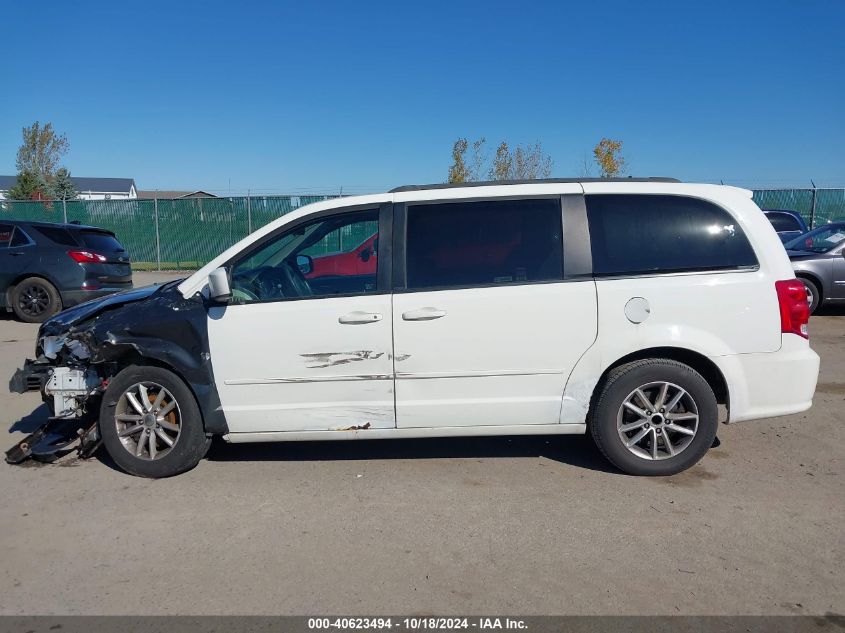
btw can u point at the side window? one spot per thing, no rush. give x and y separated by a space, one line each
6 231
19 238
642 234
482 243
335 255
783 222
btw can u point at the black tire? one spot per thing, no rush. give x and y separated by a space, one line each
35 300
622 382
191 443
814 294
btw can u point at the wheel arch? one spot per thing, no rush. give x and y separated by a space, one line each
126 354
28 275
699 362
803 274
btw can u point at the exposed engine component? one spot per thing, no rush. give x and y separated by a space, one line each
69 389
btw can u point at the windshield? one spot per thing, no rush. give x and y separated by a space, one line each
819 240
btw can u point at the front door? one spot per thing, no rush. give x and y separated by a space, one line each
486 329
306 343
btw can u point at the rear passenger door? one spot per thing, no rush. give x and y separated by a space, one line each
486 326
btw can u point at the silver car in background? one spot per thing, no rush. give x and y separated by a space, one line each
818 258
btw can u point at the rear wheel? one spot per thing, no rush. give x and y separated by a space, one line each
814 296
35 299
654 417
150 423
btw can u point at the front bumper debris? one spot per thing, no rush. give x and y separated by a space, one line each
67 390
57 438
31 377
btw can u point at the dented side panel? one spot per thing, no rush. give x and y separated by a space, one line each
158 326
293 366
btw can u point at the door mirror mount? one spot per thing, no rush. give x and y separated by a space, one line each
219 289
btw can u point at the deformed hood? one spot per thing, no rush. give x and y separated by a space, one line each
85 311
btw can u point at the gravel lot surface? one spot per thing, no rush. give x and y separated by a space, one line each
537 525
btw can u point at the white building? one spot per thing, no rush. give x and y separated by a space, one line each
89 188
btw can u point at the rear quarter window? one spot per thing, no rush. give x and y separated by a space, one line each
57 234
650 234
101 242
19 238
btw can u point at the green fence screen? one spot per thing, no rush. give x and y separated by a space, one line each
180 234
185 233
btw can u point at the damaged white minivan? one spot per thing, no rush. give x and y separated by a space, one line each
627 309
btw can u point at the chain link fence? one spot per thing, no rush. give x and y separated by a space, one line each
816 206
185 233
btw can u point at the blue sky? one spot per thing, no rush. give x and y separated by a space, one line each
285 97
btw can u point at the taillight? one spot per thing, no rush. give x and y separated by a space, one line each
794 307
86 257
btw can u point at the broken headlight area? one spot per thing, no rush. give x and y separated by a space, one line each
72 391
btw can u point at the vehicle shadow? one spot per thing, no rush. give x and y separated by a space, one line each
830 310
573 450
32 421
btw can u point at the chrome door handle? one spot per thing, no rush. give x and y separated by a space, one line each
358 317
423 314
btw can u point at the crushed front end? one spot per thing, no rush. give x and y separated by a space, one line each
80 350
71 376
71 388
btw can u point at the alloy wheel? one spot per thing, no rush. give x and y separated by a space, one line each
33 300
657 420
148 420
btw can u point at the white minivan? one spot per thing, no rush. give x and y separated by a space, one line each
628 309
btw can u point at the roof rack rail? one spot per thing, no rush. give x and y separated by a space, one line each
488 183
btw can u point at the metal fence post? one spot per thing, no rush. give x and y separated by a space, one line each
158 238
64 209
248 214
813 208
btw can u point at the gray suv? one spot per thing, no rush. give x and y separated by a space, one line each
45 267
818 258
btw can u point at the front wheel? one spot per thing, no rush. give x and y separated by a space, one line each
654 417
150 423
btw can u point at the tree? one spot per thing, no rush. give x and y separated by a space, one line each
609 158
458 172
526 162
502 167
530 163
62 187
477 160
28 186
41 150
463 169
